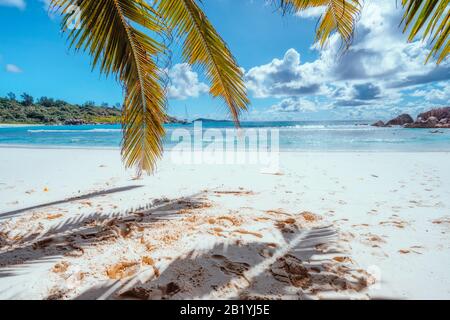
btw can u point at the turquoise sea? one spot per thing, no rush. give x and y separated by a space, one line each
293 136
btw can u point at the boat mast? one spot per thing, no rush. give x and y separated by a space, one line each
186 116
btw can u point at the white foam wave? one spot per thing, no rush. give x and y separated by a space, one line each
76 131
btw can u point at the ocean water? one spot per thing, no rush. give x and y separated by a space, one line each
292 136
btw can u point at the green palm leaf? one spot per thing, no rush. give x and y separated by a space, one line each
339 16
204 47
116 46
433 17
430 16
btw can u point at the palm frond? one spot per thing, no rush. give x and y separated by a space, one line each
107 32
339 16
204 47
433 18
293 6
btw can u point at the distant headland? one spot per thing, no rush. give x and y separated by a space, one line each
49 111
210 120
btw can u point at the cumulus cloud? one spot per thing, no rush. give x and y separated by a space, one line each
358 94
313 12
281 78
380 52
377 71
184 83
441 92
366 91
294 105
13 3
12 68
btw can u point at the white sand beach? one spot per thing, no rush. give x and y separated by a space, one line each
15 125
75 225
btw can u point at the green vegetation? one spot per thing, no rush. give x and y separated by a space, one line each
50 111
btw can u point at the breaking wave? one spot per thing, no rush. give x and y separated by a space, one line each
77 131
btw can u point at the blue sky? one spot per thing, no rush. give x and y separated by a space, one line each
287 77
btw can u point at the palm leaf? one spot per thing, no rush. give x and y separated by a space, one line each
292 6
433 17
340 16
204 47
107 32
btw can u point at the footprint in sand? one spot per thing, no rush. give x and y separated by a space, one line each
170 289
290 269
230 267
373 240
139 293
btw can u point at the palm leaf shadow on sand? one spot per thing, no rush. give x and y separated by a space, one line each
9 214
71 236
255 270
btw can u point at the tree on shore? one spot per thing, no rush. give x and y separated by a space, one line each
89 104
46 102
11 96
27 100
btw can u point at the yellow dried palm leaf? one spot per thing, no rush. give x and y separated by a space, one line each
204 47
339 16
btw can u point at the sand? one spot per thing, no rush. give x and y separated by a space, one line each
13 125
75 225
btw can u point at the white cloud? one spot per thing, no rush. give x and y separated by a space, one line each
313 12
282 78
376 72
13 3
439 93
184 83
12 68
295 105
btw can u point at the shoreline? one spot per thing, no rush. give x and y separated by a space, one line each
284 150
302 139
53 147
14 125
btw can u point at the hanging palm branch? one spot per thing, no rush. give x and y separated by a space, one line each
339 16
433 17
204 47
430 16
120 37
116 46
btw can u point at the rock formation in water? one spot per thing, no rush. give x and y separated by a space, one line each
379 123
434 118
401 120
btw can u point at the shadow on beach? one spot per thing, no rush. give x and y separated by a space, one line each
70 237
255 270
301 266
9 214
